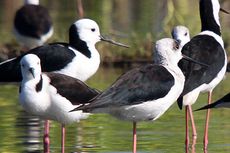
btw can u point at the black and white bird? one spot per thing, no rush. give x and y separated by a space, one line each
206 47
145 93
223 102
79 58
181 34
52 95
32 25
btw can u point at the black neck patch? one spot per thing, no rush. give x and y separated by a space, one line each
207 18
39 85
77 43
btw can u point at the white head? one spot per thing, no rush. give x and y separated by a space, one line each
34 2
181 34
88 31
30 67
167 52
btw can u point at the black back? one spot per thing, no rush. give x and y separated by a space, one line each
53 57
72 89
32 21
138 85
205 49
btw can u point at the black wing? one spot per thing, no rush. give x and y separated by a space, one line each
32 20
53 57
205 49
137 85
72 89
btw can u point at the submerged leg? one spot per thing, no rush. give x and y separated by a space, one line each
134 137
46 139
63 138
186 130
194 133
205 141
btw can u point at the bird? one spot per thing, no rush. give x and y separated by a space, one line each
206 47
32 25
52 95
143 93
181 34
223 102
79 58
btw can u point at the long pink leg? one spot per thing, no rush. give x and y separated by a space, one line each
194 133
186 130
46 139
134 137
205 141
63 138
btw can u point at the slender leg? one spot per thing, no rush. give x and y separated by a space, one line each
63 138
194 133
134 137
46 139
206 123
186 130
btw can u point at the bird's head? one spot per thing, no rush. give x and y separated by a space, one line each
181 34
30 66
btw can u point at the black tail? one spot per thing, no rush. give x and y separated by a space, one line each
180 102
207 106
10 70
223 102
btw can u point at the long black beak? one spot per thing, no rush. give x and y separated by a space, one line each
113 42
224 11
32 71
194 61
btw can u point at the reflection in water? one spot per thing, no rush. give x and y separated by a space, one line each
31 131
21 132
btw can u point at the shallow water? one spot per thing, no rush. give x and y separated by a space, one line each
21 132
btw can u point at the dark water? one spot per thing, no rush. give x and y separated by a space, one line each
133 22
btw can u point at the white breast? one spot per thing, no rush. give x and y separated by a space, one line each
82 67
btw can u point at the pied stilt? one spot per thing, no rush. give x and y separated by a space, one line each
52 95
145 93
181 34
79 58
32 25
207 47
